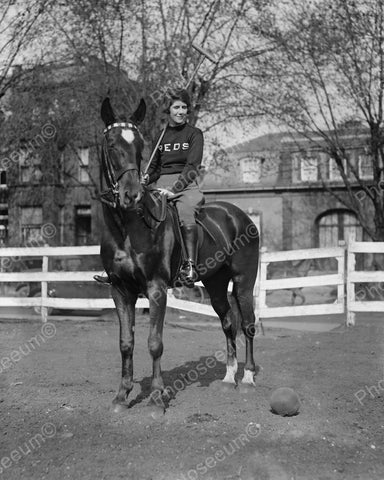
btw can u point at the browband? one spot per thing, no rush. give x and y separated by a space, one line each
122 125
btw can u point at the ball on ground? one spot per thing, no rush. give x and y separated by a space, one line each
285 402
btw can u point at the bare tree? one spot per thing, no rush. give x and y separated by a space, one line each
18 23
142 49
324 79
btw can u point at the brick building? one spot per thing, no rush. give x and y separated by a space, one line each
50 164
285 184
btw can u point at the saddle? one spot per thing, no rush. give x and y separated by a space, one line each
154 211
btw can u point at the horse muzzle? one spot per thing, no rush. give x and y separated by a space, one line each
130 200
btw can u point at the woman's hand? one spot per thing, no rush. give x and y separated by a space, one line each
144 179
166 192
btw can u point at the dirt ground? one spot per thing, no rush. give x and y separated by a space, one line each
57 383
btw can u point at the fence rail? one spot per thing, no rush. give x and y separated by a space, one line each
343 279
44 276
265 285
356 276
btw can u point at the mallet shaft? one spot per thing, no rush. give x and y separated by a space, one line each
204 53
194 72
155 149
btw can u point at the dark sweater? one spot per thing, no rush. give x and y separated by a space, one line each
180 151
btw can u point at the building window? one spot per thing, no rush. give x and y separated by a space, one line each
308 169
3 179
365 167
30 168
83 157
338 225
334 172
251 170
60 173
256 219
83 225
3 223
31 222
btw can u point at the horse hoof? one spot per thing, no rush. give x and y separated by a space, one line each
226 387
246 388
119 408
155 411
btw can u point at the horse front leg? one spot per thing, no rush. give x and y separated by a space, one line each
157 296
125 307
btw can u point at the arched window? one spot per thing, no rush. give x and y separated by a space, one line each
336 225
3 178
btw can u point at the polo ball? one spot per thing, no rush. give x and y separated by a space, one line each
285 402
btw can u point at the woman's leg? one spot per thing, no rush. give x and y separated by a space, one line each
188 204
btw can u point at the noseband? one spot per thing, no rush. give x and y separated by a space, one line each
111 177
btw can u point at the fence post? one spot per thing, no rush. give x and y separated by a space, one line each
341 289
351 263
263 276
44 291
256 289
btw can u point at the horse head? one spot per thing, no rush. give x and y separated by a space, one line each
122 153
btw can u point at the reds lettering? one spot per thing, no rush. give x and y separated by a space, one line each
173 147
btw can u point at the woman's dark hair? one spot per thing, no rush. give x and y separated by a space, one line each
174 95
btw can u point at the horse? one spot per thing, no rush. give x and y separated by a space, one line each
143 259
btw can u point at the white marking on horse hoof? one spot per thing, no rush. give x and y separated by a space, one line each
227 387
119 408
249 378
231 373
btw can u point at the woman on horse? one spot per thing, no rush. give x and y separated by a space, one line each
175 169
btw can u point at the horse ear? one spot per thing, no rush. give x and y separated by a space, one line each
139 114
107 114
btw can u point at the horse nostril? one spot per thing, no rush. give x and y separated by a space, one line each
127 198
130 198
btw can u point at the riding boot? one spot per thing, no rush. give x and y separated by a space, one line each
189 273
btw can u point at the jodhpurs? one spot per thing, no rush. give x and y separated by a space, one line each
187 202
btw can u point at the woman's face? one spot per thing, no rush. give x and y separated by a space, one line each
178 113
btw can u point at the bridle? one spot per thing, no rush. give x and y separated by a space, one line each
111 177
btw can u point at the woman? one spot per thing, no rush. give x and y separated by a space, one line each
175 168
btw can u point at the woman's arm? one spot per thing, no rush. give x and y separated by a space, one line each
195 156
154 169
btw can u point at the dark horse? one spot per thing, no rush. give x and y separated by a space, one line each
144 259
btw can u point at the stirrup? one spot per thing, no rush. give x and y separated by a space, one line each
188 274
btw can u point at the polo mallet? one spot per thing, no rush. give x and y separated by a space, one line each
203 55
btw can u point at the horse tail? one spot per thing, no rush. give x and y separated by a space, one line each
236 313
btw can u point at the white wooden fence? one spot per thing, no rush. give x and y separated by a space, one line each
360 304
336 279
343 277
44 276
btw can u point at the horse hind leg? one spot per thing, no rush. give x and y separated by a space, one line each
217 288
